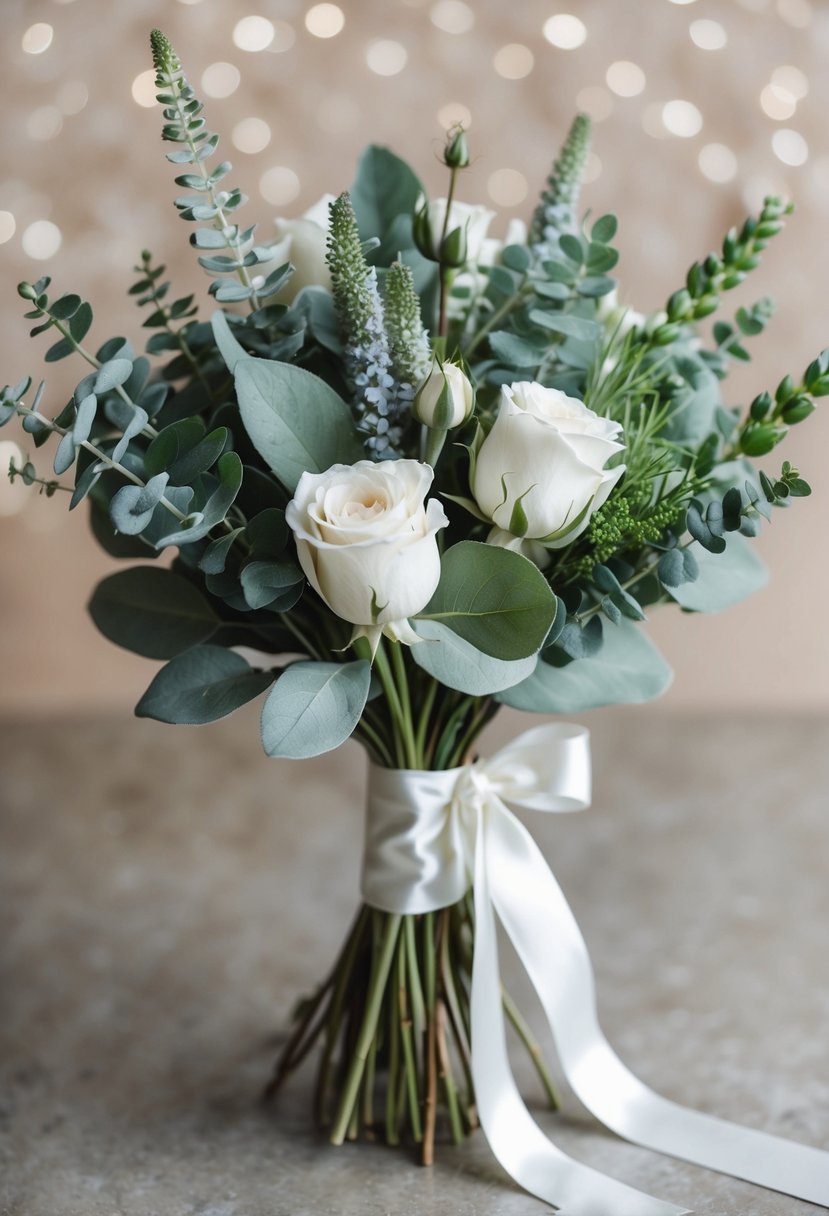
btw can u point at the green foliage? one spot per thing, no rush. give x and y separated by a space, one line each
184 124
295 421
384 195
556 210
494 599
152 612
202 685
627 670
314 707
722 580
457 664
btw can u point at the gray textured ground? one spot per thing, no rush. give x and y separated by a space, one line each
167 893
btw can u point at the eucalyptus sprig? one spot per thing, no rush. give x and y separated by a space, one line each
184 124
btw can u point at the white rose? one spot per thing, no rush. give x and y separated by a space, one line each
475 221
367 543
540 472
302 242
446 397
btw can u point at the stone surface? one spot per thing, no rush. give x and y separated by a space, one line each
167 894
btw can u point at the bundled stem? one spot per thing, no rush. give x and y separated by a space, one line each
393 1021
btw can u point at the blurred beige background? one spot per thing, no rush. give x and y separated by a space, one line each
701 107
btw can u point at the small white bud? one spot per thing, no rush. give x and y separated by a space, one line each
446 397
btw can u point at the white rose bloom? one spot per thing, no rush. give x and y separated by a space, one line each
367 543
492 248
302 242
540 472
474 219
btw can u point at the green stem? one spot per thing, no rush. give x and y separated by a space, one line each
498 315
368 1029
405 704
532 1045
424 714
407 1037
386 678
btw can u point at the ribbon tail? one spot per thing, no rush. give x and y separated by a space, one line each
517 1141
544 932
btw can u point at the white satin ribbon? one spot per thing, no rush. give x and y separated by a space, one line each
428 835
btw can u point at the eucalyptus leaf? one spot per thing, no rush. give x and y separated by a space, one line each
493 598
296 421
457 664
202 685
152 611
723 579
627 670
314 707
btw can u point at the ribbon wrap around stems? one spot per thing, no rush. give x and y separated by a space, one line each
428 836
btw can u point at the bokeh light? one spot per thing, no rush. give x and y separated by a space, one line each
220 79
708 35
565 31
625 79
72 96
143 88
37 38
507 187
681 118
8 226
453 114
253 33
777 103
717 162
385 57
251 135
46 122
790 147
279 185
513 61
452 16
324 20
41 240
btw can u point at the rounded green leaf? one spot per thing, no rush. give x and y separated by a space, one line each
201 685
296 421
152 612
453 662
314 707
627 670
495 599
723 579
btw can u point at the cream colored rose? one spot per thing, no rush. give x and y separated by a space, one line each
473 219
302 242
540 472
367 543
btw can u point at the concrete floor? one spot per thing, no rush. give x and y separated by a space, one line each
168 893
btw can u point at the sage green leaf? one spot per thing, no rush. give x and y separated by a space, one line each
131 509
314 707
493 598
296 421
723 579
565 323
152 612
268 582
230 349
201 685
453 662
385 187
627 670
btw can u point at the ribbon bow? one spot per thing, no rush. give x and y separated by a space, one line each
427 835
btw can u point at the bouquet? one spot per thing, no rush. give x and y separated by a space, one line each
408 474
